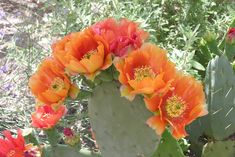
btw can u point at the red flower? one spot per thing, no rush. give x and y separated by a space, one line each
47 116
12 147
178 107
231 34
122 36
16 147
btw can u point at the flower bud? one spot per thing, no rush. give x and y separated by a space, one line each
68 132
71 138
231 35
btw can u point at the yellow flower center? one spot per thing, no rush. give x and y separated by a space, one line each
11 153
175 106
57 84
89 54
142 72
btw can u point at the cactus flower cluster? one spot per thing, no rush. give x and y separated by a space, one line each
105 49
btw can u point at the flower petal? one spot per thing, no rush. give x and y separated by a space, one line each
179 131
74 91
125 92
152 104
156 123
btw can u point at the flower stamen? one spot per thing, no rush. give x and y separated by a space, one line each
89 54
175 106
143 72
57 84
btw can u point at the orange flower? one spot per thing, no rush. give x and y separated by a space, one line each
47 116
122 36
178 107
16 147
49 84
145 71
83 52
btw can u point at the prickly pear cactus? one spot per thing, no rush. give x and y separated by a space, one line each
230 46
66 151
220 91
168 147
219 149
219 124
119 125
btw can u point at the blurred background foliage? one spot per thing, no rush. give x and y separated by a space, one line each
176 25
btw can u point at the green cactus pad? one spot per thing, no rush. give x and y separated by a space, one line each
199 127
219 149
168 147
119 125
220 91
67 151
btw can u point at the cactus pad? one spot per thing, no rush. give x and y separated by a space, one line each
219 149
119 125
66 151
220 91
168 147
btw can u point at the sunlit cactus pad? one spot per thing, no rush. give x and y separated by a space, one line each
119 125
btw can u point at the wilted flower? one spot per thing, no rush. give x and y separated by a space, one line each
178 107
145 71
